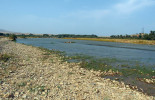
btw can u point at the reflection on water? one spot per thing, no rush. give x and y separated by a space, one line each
123 51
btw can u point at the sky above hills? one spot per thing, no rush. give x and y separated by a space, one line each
101 17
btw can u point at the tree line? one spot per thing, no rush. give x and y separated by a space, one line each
145 36
52 36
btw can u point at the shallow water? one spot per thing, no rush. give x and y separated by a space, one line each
130 52
149 89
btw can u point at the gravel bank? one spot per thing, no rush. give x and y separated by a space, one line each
32 73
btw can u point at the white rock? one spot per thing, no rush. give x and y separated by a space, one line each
24 96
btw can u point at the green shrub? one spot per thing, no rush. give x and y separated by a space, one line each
13 37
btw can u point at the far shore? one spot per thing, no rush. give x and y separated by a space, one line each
134 41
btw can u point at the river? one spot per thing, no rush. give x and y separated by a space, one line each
129 52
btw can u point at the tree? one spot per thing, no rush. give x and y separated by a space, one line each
140 36
146 37
1 34
152 35
45 35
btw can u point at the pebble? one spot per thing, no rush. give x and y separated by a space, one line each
43 93
36 98
24 96
16 94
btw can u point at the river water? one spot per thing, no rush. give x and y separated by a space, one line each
130 52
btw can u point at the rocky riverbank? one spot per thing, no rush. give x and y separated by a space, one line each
31 73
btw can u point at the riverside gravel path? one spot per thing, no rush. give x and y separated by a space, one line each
34 74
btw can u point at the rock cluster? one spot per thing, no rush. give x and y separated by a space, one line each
41 76
149 81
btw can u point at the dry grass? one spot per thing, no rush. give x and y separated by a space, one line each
135 41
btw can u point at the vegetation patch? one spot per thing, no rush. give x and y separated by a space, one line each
70 73
53 51
4 57
7 65
12 37
106 65
39 89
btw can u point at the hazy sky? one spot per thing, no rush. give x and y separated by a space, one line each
101 17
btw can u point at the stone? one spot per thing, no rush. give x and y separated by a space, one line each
127 86
35 98
24 96
16 94
43 93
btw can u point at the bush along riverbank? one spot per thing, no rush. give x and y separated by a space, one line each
28 72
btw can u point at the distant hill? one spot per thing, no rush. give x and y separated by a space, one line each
5 31
10 32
